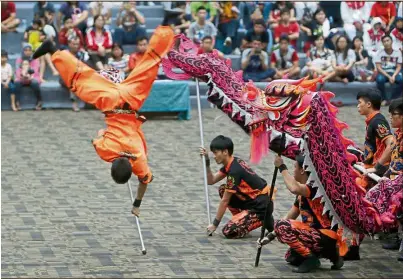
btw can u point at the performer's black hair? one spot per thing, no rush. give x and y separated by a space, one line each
300 160
371 95
396 106
121 170
221 143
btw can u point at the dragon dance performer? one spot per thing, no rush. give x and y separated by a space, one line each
245 194
312 237
122 143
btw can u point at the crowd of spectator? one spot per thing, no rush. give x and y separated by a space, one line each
343 41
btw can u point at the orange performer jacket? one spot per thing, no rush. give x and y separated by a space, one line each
119 101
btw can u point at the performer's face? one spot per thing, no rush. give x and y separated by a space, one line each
220 157
396 120
299 173
363 106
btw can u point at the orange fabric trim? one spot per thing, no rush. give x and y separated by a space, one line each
299 225
229 163
309 191
370 116
230 191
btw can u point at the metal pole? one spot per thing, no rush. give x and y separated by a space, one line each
203 158
143 249
373 176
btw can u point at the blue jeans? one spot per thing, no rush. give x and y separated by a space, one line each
123 37
35 87
11 88
230 29
380 84
258 76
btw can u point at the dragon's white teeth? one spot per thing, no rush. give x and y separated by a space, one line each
322 200
318 194
225 101
325 209
334 222
248 119
234 110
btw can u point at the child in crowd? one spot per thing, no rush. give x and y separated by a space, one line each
119 60
6 79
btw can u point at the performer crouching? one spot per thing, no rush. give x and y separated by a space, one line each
245 194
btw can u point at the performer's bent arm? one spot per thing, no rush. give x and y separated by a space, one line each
211 178
223 205
292 214
141 191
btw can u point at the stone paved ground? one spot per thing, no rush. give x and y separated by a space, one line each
62 216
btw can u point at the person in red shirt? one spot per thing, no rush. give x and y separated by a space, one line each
141 46
285 60
287 27
69 32
386 11
9 20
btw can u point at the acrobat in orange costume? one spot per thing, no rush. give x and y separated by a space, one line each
119 101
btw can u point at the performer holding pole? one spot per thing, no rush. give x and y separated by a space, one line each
122 143
245 194
143 249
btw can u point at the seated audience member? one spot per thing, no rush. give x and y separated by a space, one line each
318 26
99 43
130 22
250 12
43 9
361 69
207 46
201 27
100 8
25 77
177 19
304 11
45 12
258 32
7 80
333 13
291 29
388 63
400 10
77 11
372 38
34 34
119 60
75 49
319 60
355 15
141 47
9 20
255 63
69 32
397 34
386 11
209 6
285 60
228 22
343 61
274 16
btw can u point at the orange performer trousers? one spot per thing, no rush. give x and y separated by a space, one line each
123 132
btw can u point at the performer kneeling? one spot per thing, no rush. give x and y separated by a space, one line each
312 237
122 142
245 194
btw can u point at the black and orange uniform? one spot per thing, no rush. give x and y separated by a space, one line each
396 160
378 130
249 200
313 235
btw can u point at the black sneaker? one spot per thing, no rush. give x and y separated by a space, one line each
309 264
394 244
294 258
338 263
353 254
46 47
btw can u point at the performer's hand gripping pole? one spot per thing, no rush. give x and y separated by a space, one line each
143 249
269 209
373 176
203 157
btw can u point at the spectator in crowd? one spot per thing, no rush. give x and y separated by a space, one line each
372 38
207 46
291 29
178 19
333 13
285 60
355 15
6 80
100 8
48 27
255 64
318 26
99 43
304 11
44 9
141 47
9 20
209 6
319 60
388 63
386 11
400 9
77 11
258 32
129 20
69 32
34 34
201 27
343 61
119 60
361 69
397 34
250 12
228 22
274 16
25 78
75 49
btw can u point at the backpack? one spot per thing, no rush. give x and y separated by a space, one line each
307 16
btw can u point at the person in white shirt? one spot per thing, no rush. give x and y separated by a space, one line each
343 61
201 27
355 15
372 37
388 62
6 80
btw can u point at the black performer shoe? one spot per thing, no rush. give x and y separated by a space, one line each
309 264
353 254
400 258
337 264
294 258
46 47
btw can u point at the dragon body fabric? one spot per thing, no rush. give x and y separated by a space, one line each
309 121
